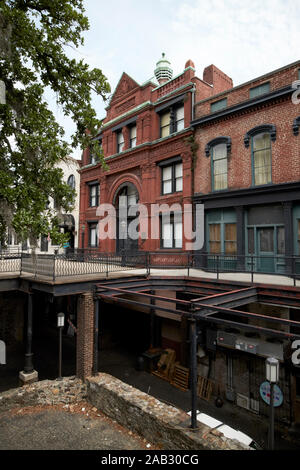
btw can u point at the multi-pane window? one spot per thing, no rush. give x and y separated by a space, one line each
179 119
259 90
223 238
165 124
172 178
218 105
120 141
94 195
171 231
262 162
172 120
219 167
93 237
132 141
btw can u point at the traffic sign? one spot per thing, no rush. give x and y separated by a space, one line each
264 391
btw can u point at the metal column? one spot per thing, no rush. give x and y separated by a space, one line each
193 369
96 335
28 367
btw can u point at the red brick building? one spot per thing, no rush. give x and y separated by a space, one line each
247 171
247 175
144 140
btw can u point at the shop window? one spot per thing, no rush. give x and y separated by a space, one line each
280 241
215 238
230 239
223 238
251 243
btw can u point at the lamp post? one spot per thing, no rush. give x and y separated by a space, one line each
272 376
60 325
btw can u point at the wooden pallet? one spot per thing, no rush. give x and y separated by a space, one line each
165 365
204 388
180 377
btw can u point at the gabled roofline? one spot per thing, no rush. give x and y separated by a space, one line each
116 87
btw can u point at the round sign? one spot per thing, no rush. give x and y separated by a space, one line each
264 391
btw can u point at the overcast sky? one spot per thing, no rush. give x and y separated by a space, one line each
244 39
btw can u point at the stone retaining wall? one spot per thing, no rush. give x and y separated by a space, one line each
159 423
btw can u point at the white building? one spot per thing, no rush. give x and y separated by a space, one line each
68 222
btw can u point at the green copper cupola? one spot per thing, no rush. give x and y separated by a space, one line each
163 71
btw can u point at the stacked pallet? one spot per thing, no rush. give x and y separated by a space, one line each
165 365
204 388
180 377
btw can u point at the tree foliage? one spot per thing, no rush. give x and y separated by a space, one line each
34 38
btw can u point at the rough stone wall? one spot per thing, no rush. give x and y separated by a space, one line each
46 392
161 424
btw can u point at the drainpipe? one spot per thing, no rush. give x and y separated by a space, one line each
193 91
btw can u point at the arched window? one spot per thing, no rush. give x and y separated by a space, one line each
71 181
218 149
261 152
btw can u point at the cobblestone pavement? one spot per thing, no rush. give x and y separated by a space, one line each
69 427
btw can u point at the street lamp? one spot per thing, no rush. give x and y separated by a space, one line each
60 325
272 376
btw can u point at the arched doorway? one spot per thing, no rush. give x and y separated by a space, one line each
126 201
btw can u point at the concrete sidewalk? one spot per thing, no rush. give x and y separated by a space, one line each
68 427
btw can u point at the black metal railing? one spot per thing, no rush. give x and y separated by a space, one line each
81 262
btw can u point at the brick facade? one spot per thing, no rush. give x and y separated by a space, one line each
280 112
142 105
